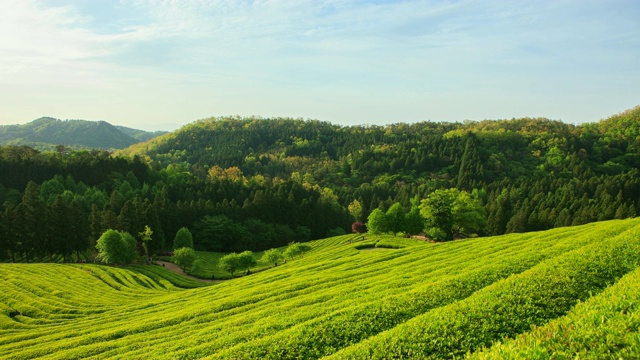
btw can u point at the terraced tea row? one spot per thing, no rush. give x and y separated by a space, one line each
336 298
509 307
606 326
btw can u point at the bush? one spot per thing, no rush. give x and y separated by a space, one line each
184 257
196 267
436 234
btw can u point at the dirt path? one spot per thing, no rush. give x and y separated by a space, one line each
176 269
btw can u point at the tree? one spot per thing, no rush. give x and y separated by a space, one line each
395 218
451 211
219 233
303 233
296 249
468 215
184 257
145 236
338 231
4 238
377 223
183 239
79 229
355 209
413 222
116 247
31 213
247 260
230 263
358 227
272 256
10 233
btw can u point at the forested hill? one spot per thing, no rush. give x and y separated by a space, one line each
46 133
255 184
533 173
468 154
139 135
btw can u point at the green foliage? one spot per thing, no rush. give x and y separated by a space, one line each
246 260
413 222
183 239
184 257
272 256
116 247
230 263
449 212
336 232
377 223
355 209
296 249
145 236
278 176
395 218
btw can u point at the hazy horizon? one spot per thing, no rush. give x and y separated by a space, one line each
158 65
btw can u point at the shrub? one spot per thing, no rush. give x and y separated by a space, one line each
184 257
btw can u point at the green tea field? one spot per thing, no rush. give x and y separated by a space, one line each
565 293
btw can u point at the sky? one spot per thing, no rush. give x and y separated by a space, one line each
157 65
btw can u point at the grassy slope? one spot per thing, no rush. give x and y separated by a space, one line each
426 300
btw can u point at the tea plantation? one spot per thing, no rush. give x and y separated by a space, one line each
564 293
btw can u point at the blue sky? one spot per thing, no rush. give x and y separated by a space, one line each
162 64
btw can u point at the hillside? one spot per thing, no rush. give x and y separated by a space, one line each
45 133
255 184
140 135
420 301
529 174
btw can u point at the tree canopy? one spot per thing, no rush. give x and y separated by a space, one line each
184 257
255 184
183 239
116 247
451 211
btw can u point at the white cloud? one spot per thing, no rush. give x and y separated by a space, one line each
199 58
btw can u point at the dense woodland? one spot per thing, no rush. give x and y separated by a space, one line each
255 183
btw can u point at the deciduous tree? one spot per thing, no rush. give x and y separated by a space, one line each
451 211
184 257
296 249
230 263
116 247
272 256
183 239
247 260
377 223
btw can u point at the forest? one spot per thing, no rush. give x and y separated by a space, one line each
254 184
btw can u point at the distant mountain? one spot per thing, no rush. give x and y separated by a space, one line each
45 133
140 135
